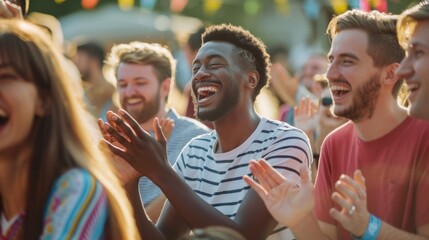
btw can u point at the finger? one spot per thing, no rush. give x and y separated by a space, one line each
100 123
4 10
342 201
123 126
340 217
14 10
159 134
305 176
360 179
133 124
346 190
115 135
271 172
256 186
354 185
261 176
114 149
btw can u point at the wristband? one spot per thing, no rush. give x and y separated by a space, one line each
372 231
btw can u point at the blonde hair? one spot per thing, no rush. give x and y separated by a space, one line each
408 20
66 136
146 54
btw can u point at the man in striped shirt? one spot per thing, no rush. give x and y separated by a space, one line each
206 188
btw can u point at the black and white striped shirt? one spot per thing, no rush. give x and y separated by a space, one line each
217 177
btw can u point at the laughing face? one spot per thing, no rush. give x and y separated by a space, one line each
19 104
353 79
216 80
415 70
139 91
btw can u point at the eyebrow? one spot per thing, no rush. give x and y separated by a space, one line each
344 55
417 44
214 55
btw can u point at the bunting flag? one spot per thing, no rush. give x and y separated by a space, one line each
251 7
339 6
212 6
364 5
312 9
148 4
282 6
126 4
354 4
177 6
380 5
89 4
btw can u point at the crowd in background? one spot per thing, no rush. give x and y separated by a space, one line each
105 142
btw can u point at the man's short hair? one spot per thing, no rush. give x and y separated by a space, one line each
408 20
383 45
145 54
253 50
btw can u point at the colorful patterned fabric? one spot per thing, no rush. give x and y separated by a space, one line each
77 208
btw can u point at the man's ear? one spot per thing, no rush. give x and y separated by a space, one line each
389 76
165 87
253 79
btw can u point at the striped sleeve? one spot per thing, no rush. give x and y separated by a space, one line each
77 208
289 151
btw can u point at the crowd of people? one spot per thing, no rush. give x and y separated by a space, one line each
344 159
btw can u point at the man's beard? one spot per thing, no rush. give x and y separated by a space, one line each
228 101
149 110
364 100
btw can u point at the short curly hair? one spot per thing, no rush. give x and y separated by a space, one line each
254 50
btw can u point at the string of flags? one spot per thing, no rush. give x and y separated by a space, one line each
312 8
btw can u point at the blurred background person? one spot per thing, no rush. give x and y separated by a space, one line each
99 93
52 27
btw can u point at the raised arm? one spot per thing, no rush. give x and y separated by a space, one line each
148 157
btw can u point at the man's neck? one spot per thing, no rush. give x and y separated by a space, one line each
385 118
233 130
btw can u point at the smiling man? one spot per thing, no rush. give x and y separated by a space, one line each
205 188
372 180
413 34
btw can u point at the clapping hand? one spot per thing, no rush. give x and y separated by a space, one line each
286 201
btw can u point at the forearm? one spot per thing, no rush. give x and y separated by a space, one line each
182 197
145 226
387 231
309 228
153 209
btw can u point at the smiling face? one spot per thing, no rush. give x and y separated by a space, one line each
139 89
415 70
217 79
353 79
19 104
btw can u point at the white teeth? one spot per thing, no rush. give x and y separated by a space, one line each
3 113
207 89
339 88
134 100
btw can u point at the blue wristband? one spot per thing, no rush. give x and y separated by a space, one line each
373 229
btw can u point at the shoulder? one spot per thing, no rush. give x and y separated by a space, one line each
75 184
186 123
343 131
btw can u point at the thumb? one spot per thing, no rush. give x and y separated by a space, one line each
159 134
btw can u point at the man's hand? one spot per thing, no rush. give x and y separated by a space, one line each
286 202
146 154
351 196
10 10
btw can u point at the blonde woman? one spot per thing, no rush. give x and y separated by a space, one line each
54 181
